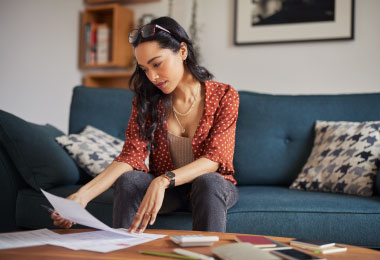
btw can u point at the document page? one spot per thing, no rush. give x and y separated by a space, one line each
98 241
102 241
105 240
74 212
26 238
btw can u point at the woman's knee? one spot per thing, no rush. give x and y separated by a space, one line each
132 181
209 182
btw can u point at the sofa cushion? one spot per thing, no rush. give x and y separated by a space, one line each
92 149
107 109
345 158
263 210
274 133
279 211
41 161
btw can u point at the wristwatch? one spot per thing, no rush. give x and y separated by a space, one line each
171 177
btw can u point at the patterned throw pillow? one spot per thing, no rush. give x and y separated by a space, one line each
92 149
345 158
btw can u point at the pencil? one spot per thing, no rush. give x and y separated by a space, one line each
167 255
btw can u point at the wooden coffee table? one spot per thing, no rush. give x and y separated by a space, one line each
159 245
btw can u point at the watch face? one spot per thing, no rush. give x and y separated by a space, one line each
170 174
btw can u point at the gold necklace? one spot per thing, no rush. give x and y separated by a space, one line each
182 129
192 104
188 111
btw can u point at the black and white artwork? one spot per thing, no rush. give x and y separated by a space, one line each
278 21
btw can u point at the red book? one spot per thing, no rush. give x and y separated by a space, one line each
258 241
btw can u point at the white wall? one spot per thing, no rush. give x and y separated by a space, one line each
39 45
292 68
38 58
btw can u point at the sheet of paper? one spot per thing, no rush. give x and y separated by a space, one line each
106 240
102 241
74 212
26 238
98 241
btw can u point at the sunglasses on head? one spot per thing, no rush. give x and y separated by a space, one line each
145 31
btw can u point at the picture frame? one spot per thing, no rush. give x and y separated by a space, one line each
330 20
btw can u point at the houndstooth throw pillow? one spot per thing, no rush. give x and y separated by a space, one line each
92 149
345 158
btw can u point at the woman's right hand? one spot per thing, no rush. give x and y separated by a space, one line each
64 223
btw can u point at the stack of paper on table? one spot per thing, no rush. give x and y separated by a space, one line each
27 238
98 241
105 240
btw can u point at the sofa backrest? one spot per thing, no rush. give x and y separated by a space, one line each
104 108
275 135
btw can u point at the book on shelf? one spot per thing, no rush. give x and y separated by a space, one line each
97 43
92 46
311 243
257 241
102 43
87 43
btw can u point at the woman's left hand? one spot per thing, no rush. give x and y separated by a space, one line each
150 205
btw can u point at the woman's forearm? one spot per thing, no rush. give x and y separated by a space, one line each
193 170
103 181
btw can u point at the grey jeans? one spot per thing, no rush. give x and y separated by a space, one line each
208 197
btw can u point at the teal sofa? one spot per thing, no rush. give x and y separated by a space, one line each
273 141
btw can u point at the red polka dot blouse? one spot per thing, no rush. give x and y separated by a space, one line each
214 138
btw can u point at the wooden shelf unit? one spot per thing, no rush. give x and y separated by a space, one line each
108 80
119 1
120 21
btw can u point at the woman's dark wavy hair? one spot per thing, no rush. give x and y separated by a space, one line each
147 94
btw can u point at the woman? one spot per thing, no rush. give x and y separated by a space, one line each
188 122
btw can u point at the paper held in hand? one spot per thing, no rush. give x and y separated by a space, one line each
73 211
99 241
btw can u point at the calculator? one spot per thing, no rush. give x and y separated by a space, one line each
194 240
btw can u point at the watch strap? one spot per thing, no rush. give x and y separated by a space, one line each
171 179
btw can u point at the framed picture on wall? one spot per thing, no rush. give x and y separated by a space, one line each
282 21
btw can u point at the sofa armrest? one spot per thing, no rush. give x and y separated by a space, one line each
11 182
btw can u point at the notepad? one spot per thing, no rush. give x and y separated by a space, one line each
310 243
279 246
258 241
242 251
324 250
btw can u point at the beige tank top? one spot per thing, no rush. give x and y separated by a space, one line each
180 150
